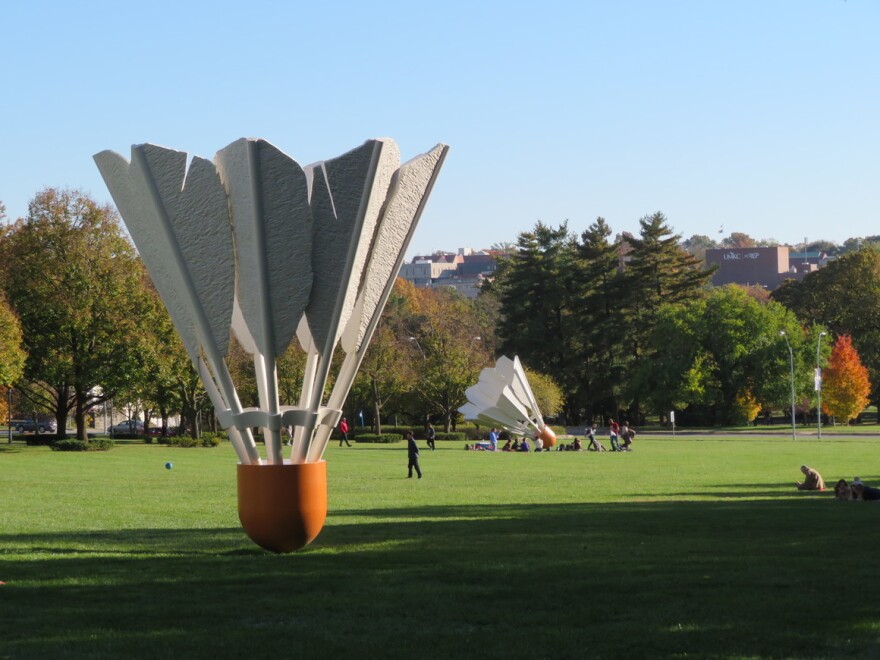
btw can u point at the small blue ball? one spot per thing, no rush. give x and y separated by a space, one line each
169 465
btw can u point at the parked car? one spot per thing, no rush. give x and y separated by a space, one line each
31 426
128 427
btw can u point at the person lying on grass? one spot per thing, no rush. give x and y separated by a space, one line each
857 491
812 480
864 493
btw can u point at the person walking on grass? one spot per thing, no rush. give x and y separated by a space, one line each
614 433
430 434
412 450
343 433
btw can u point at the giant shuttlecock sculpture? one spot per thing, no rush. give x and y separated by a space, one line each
503 397
254 244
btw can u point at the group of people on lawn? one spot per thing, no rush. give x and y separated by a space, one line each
842 490
621 438
512 444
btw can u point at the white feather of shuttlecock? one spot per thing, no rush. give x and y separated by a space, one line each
503 397
178 218
256 244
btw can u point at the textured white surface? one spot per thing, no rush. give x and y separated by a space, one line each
272 223
347 196
404 204
179 221
181 228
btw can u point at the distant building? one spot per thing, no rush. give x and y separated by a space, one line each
465 271
761 266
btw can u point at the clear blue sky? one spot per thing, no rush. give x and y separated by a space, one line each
761 116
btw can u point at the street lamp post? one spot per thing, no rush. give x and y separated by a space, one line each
819 387
791 360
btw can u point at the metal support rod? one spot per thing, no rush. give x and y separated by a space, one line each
819 387
791 360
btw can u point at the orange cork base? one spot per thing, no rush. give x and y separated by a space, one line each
282 508
548 436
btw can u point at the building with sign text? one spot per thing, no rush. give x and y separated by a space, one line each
758 266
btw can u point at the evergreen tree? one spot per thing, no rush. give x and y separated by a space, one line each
534 290
598 359
657 271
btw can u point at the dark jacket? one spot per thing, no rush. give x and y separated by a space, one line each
412 448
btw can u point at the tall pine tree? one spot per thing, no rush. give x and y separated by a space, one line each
597 347
533 289
657 272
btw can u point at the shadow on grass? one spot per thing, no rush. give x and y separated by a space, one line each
654 579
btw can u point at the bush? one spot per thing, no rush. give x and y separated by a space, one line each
70 444
213 439
101 444
39 440
208 439
457 435
384 438
148 440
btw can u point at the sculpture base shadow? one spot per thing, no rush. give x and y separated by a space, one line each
282 508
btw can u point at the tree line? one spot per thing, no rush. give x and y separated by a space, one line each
604 326
81 326
632 326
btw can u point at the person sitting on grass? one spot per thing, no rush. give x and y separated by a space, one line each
507 446
515 445
539 444
524 445
594 444
576 445
812 480
627 435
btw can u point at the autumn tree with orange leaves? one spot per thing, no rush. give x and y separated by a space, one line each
845 384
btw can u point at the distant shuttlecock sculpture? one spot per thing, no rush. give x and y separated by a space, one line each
254 244
503 397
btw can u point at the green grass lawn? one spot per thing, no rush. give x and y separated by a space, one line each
696 547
